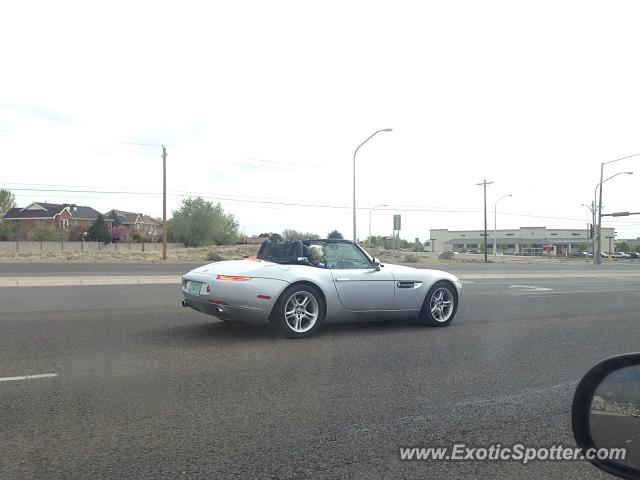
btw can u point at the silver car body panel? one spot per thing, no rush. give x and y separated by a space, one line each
393 291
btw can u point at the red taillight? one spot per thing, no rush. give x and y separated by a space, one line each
264 297
217 302
235 278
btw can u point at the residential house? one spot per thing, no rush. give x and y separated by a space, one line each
147 227
62 216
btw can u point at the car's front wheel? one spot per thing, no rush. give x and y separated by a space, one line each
299 312
440 305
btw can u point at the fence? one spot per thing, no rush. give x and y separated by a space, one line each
59 247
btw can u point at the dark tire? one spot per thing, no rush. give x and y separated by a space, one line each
298 313
440 305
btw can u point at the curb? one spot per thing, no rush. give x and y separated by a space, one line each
70 281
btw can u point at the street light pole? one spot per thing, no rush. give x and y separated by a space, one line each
596 258
484 184
495 223
354 176
371 210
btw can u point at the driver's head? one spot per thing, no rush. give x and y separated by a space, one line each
316 253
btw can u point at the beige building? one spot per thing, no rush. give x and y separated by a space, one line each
520 241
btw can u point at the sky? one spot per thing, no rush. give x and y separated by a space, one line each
262 104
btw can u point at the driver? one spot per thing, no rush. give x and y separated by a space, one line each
316 256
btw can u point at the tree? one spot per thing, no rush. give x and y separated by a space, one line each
76 233
335 234
309 236
8 231
45 232
98 231
290 234
624 247
198 222
114 216
7 201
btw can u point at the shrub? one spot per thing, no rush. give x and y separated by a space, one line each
411 258
214 257
446 256
46 233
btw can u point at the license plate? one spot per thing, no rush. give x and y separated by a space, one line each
194 288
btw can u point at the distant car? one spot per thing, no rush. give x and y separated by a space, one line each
618 255
604 255
634 255
581 254
281 288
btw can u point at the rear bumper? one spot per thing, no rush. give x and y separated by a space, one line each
229 312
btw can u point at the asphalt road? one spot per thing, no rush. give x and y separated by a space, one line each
148 389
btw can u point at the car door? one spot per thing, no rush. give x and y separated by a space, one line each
360 287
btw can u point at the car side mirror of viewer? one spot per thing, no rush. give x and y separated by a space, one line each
605 415
376 264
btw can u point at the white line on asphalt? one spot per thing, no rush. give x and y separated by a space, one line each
576 291
532 288
28 377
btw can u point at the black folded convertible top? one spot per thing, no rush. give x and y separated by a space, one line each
286 252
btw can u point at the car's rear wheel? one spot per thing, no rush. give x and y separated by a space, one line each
299 312
440 305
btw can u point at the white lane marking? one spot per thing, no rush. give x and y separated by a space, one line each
28 377
464 282
578 291
532 288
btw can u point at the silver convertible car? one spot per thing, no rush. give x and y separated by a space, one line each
283 288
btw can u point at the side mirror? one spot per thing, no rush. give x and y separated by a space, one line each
605 415
377 264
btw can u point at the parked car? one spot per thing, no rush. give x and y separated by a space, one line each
581 254
604 255
621 255
282 288
634 255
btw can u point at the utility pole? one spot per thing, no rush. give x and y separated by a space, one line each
164 202
593 228
484 184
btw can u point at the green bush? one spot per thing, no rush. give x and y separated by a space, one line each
46 233
8 231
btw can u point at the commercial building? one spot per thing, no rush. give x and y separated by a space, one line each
520 241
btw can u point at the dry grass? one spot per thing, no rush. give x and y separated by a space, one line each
230 252
178 255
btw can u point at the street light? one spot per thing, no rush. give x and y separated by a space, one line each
596 258
596 255
495 223
371 210
354 176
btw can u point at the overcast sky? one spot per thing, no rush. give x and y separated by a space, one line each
263 102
